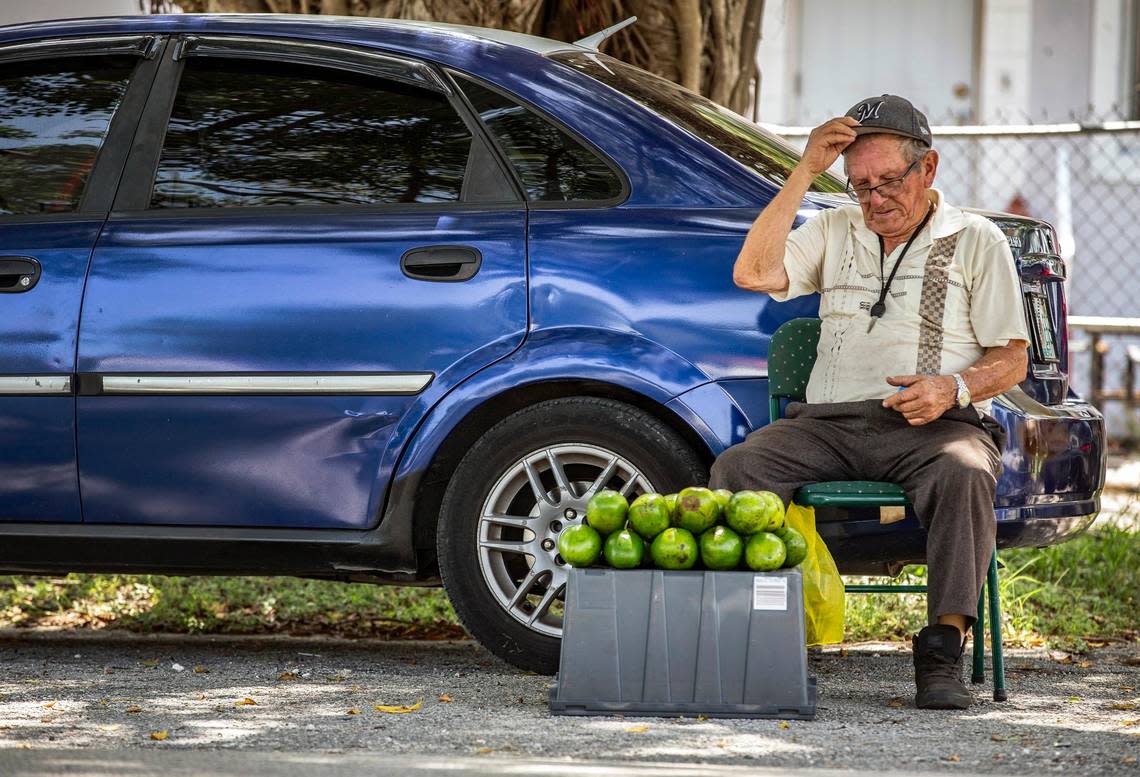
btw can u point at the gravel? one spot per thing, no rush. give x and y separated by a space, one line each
132 693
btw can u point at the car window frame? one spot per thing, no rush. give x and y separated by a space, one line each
110 160
133 198
618 199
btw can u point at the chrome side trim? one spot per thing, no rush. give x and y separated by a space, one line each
390 383
35 385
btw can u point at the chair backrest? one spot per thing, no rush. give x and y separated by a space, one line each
791 355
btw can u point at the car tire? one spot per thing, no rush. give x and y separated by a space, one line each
496 534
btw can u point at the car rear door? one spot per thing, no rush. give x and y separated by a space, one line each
67 112
307 239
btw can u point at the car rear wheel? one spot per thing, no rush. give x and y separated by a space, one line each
525 481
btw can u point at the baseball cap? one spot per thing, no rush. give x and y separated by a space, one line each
891 114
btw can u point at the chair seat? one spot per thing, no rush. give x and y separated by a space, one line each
850 493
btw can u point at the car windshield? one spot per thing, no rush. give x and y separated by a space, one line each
742 140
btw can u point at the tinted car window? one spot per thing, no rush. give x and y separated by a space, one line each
53 118
552 165
745 142
245 133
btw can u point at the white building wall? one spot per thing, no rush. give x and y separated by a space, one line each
1004 97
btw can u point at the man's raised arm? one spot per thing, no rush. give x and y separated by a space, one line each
760 264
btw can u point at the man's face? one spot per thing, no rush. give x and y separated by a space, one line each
876 159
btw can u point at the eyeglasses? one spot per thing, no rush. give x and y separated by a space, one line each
885 189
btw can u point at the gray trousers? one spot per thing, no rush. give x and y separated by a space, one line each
948 469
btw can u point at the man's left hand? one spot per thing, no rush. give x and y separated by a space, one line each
925 398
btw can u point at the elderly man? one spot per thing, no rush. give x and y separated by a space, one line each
922 324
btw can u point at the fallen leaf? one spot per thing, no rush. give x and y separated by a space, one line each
445 698
637 729
159 735
722 743
702 717
1073 699
1128 688
1132 661
998 738
48 704
353 711
482 750
199 669
48 719
783 724
1123 705
244 702
398 709
150 662
133 709
1084 664
1129 723
896 702
201 697
954 758
1129 760
286 676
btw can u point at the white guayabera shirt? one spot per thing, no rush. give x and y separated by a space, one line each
955 294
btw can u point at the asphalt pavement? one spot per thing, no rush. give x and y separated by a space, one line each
110 703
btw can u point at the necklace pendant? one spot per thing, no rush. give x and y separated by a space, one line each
871 324
878 309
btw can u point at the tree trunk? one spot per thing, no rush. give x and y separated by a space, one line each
708 46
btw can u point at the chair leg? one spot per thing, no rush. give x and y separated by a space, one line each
995 630
979 674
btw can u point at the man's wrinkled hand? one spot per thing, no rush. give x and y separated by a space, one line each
827 142
925 398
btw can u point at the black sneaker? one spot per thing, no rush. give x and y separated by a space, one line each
938 669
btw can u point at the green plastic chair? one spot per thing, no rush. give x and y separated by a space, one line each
791 356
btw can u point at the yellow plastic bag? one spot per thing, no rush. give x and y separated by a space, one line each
823 588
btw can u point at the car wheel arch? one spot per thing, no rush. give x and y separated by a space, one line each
429 493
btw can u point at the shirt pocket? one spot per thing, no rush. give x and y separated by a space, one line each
850 286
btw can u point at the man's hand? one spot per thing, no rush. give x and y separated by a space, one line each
826 143
925 399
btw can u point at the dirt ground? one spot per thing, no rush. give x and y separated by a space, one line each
101 691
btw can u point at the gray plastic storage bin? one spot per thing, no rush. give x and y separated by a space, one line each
651 642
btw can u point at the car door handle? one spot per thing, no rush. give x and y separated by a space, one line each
441 263
18 274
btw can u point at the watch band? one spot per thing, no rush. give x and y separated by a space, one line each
963 397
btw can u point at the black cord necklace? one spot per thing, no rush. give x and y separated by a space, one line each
880 307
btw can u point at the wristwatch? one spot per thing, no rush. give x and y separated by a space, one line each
963 397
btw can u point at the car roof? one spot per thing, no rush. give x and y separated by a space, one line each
175 23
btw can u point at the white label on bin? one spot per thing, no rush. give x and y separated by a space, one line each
769 593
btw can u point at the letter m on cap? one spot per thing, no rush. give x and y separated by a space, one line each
868 111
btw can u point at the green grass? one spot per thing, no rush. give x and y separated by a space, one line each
1066 595
227 605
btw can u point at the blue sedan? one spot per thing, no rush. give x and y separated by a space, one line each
387 301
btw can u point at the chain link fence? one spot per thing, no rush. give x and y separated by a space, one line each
1083 177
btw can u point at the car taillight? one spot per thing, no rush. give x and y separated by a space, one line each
1043 276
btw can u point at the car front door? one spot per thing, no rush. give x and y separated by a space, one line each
307 243
67 112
